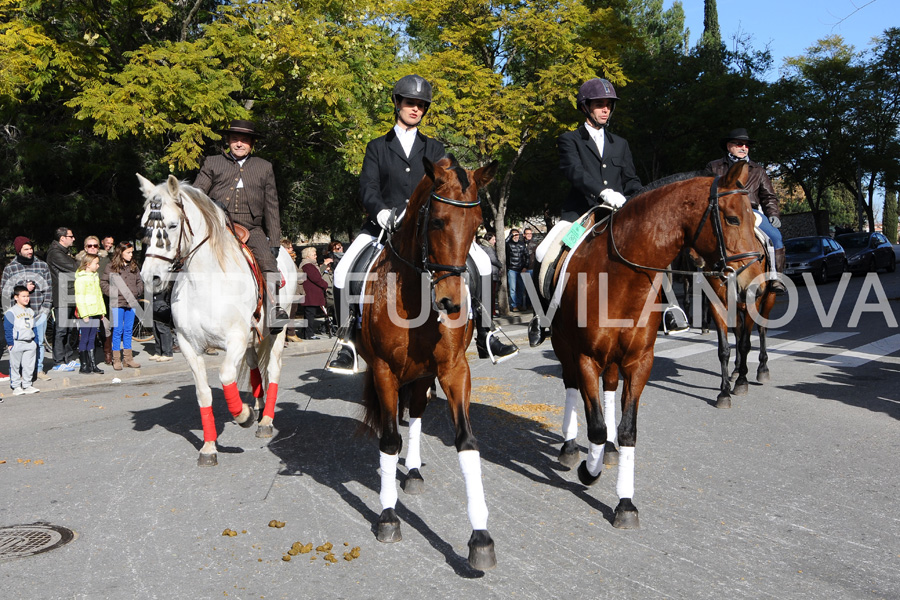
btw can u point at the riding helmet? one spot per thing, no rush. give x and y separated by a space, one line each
594 89
414 87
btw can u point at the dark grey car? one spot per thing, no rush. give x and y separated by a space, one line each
868 251
819 255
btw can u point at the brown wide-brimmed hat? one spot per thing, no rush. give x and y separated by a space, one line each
242 126
736 134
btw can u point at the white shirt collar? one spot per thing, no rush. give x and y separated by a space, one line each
407 137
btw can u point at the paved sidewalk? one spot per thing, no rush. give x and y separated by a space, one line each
514 326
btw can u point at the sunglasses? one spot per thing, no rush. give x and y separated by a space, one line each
91 246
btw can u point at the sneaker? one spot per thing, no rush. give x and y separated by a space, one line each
4 376
43 376
74 364
153 357
18 392
58 368
30 390
163 359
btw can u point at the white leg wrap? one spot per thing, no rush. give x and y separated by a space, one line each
388 493
470 464
570 416
609 416
625 483
413 456
595 458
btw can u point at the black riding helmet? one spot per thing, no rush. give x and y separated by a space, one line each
413 87
595 89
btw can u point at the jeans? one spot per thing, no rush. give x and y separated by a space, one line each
770 231
65 337
164 338
40 328
88 333
123 325
514 280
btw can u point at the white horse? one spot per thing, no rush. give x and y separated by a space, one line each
213 299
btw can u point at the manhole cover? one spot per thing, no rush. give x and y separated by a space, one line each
18 541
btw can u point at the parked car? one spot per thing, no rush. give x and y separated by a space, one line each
821 256
868 251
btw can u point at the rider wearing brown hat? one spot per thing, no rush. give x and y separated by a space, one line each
736 145
244 185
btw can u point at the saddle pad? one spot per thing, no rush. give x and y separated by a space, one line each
568 238
361 267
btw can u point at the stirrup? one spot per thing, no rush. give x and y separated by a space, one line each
340 346
487 346
676 327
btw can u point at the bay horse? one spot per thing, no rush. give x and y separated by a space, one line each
214 297
417 327
741 322
617 268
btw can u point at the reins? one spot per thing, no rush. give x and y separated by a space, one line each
722 270
428 268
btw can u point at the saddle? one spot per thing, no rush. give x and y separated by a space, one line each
242 234
562 244
363 262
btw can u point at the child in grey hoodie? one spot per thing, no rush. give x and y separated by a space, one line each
18 326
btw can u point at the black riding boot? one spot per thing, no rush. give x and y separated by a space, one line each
278 318
85 364
93 363
345 361
498 349
536 333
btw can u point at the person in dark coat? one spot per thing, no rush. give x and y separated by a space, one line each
314 287
488 243
597 163
736 145
391 170
244 185
62 271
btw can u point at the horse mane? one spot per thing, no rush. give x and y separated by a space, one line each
655 185
406 237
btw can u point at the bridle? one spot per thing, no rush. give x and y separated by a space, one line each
721 268
428 268
178 262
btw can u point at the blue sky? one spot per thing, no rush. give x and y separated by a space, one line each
791 26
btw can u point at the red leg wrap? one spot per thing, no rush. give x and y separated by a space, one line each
271 397
209 423
233 399
256 382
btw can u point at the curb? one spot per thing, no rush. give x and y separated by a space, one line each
73 379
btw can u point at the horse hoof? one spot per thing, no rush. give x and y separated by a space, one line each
481 550
762 376
626 515
388 527
414 484
723 401
265 431
585 477
741 388
251 418
610 454
569 454
207 460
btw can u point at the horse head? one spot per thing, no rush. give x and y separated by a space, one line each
730 240
443 215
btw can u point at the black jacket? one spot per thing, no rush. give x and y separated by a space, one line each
388 178
762 194
516 255
590 174
60 261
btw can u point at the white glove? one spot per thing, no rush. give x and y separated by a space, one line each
776 222
383 217
612 198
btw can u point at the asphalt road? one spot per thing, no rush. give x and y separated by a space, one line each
792 493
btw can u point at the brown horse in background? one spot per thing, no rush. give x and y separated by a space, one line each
741 322
618 269
416 328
